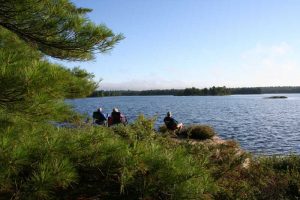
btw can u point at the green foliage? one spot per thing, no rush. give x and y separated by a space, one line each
263 178
44 161
80 83
247 90
57 28
203 92
33 88
132 162
258 182
199 132
163 129
289 169
202 132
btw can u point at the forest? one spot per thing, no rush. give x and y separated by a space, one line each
213 91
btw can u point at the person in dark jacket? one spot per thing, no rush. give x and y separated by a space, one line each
99 117
171 123
116 117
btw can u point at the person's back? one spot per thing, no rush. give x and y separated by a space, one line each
171 123
116 118
99 117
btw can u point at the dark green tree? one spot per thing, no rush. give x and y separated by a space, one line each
205 91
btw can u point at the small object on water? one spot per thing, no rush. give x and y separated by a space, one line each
277 97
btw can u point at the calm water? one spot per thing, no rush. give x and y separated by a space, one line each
262 126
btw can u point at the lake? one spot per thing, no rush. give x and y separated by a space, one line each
260 125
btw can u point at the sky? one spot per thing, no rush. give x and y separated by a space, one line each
197 43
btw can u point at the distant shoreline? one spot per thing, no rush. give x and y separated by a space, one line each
213 91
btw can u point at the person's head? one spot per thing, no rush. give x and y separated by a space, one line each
169 114
115 110
99 109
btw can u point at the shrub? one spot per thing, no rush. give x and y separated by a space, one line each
123 162
199 132
133 162
162 129
141 129
288 169
165 131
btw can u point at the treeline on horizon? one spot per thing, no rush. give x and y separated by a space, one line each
213 91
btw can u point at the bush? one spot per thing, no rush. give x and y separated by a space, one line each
199 132
166 132
123 162
163 129
288 169
140 129
133 162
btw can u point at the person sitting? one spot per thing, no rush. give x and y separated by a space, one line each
98 117
171 123
116 117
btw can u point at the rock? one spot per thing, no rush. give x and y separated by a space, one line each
277 97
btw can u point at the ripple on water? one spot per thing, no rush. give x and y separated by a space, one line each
261 126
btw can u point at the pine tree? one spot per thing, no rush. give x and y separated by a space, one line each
57 28
32 87
30 29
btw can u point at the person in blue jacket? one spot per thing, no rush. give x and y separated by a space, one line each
99 117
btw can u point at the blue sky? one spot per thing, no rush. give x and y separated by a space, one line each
201 43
